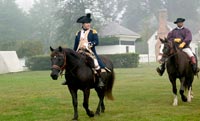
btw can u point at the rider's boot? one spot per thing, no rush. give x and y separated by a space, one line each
194 65
100 82
161 69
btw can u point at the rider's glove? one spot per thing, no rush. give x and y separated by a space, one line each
90 45
177 40
182 45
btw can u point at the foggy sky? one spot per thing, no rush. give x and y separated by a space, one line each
25 4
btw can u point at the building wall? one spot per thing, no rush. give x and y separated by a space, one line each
115 49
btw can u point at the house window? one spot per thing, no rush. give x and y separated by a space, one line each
127 42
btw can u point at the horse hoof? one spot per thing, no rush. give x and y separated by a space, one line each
74 119
91 114
184 99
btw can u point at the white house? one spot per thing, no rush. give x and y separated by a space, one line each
126 39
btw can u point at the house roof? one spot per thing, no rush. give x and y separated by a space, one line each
114 29
170 26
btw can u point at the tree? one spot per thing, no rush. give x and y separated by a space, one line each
70 10
43 21
29 48
13 24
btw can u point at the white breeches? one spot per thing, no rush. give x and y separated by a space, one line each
96 64
188 51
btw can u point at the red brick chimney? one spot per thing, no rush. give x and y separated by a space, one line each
162 29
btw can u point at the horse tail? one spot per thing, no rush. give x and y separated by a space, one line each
109 86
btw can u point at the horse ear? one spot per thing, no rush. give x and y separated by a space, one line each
51 48
166 39
60 49
162 40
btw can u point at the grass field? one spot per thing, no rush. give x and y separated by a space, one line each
140 95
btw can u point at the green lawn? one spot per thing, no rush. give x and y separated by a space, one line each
140 95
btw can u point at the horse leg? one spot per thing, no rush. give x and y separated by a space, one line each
73 93
86 93
190 96
183 97
174 90
101 106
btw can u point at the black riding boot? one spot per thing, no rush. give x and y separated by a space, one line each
194 68
64 82
161 70
194 65
100 83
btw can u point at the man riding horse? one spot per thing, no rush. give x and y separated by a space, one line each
87 39
183 37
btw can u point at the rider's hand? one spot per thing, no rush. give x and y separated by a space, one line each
182 45
177 40
90 45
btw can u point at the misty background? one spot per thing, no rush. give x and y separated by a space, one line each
31 27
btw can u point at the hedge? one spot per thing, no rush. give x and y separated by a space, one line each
39 63
130 60
119 61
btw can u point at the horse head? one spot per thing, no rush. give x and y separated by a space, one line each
58 62
166 49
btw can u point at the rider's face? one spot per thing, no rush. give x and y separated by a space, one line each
86 25
180 24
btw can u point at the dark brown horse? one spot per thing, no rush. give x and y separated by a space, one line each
80 76
178 66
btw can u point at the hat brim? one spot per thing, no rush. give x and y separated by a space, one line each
84 19
179 21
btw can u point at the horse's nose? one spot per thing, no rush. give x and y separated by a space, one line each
54 76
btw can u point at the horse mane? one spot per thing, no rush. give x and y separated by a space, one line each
86 59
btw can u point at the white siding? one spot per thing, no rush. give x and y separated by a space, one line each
114 49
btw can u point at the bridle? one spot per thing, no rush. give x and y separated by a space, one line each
172 49
62 68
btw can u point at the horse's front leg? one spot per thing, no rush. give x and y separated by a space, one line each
100 107
190 94
73 93
86 93
174 90
182 88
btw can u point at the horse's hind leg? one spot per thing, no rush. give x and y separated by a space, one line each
183 97
86 93
101 106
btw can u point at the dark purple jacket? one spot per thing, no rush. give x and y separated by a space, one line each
183 33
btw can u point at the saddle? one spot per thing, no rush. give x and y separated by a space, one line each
89 59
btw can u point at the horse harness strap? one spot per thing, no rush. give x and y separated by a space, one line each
62 68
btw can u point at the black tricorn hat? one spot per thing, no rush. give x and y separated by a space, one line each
178 20
84 19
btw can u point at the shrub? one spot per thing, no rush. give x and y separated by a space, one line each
130 60
38 63
119 61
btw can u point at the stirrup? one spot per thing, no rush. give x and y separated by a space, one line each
107 69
